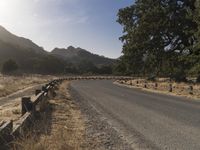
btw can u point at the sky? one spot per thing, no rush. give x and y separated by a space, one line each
89 24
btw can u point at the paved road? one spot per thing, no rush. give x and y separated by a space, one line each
146 120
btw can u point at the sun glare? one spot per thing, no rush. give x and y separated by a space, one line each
10 8
11 11
6 6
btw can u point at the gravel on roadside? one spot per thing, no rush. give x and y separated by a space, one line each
99 134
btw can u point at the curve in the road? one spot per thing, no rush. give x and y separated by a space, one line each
144 118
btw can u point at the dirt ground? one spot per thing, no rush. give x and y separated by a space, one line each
163 86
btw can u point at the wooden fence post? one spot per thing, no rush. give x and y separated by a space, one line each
191 89
44 88
37 92
137 82
145 84
26 105
156 86
170 87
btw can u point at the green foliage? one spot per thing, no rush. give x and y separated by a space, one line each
86 66
9 66
178 75
105 70
194 59
159 37
120 67
198 79
152 77
48 65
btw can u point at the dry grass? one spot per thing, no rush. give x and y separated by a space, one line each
179 89
10 111
62 128
10 84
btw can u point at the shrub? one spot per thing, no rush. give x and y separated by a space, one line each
198 79
9 66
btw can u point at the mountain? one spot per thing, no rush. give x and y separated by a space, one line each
77 55
11 39
31 58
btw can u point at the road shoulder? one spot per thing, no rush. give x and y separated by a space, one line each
100 135
189 98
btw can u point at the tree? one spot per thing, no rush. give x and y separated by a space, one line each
9 66
155 31
120 67
49 65
86 66
105 70
194 58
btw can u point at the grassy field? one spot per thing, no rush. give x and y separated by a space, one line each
10 111
13 84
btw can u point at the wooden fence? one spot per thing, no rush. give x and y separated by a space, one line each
31 106
170 88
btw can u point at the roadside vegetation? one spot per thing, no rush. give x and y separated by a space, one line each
161 38
69 124
12 88
60 126
165 86
11 84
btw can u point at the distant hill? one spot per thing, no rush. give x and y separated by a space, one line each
20 42
77 55
31 58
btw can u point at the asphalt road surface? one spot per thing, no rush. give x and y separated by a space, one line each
146 120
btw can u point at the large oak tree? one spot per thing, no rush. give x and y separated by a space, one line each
158 34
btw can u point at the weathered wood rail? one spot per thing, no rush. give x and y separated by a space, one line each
30 106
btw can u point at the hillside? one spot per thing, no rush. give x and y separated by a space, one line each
31 58
30 61
20 42
77 55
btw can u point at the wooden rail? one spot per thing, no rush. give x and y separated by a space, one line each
145 85
30 106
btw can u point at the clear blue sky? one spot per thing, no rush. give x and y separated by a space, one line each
89 24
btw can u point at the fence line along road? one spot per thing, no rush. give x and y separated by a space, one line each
29 110
145 85
31 106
